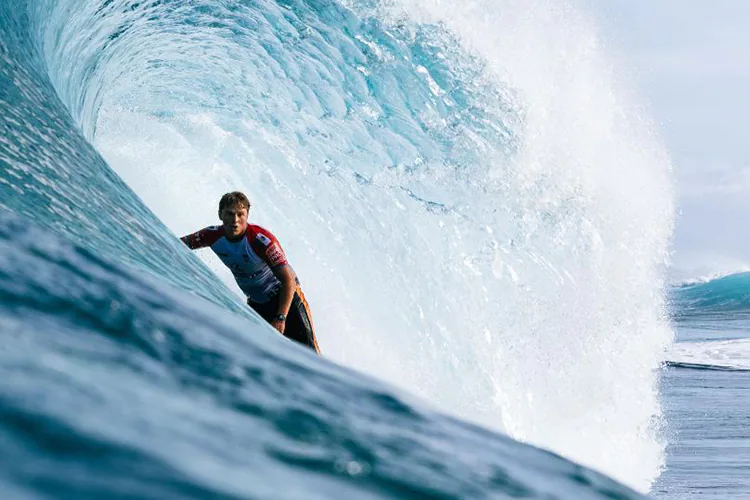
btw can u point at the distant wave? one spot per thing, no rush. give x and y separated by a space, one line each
702 366
725 355
705 278
724 294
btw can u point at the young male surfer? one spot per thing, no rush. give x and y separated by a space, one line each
260 268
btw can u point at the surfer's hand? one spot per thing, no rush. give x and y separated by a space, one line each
279 325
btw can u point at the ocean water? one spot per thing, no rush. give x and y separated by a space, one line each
706 391
477 206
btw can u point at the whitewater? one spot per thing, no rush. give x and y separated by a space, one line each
477 206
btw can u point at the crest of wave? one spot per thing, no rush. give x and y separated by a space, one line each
574 326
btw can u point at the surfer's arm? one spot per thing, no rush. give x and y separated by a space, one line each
186 240
203 238
288 278
269 249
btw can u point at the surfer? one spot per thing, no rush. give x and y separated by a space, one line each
260 268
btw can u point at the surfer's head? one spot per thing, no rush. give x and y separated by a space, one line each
233 210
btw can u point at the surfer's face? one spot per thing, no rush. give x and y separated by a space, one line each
234 219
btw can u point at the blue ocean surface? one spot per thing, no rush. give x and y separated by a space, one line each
480 228
706 389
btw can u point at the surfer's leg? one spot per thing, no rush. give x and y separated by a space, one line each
266 310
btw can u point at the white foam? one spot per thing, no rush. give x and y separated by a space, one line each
698 275
729 354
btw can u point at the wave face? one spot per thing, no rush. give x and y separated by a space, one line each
120 386
725 297
474 217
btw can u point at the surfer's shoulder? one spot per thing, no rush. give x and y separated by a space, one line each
260 234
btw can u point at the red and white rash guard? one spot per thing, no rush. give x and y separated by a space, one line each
251 259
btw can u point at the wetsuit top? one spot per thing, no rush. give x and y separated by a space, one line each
252 259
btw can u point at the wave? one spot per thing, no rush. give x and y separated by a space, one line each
731 355
718 297
705 278
703 366
466 212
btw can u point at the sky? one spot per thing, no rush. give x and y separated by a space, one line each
690 62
